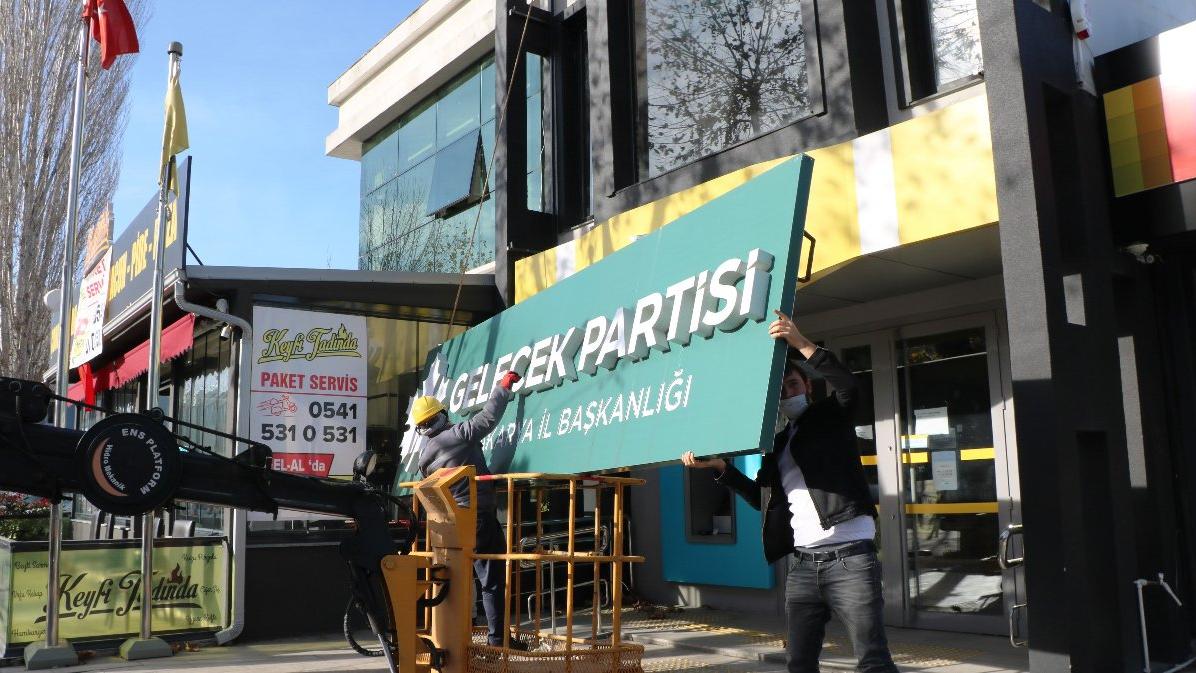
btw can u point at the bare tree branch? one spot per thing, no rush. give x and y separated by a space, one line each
38 52
720 71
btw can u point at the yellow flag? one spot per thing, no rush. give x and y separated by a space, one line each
174 139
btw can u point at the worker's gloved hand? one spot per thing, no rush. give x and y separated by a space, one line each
509 380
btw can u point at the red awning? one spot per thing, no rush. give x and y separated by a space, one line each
177 339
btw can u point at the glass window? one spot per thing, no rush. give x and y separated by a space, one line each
458 174
488 143
417 135
710 509
716 74
488 95
369 230
443 149
468 238
535 66
955 34
407 205
457 112
941 41
379 159
858 359
535 155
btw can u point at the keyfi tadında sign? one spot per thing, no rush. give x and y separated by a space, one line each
309 389
660 348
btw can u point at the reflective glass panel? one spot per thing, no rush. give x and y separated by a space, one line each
717 72
417 135
535 155
379 159
488 95
407 204
370 232
859 360
488 143
458 174
949 473
955 30
457 112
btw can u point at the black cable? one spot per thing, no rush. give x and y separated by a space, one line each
157 412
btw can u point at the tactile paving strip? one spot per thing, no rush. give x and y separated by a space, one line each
920 655
683 663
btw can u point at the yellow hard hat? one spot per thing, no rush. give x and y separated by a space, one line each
425 409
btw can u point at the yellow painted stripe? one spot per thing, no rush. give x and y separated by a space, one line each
535 273
621 229
944 182
923 456
978 454
953 508
943 171
832 214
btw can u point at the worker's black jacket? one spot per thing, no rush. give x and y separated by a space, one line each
824 447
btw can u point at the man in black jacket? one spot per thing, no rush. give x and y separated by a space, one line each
818 511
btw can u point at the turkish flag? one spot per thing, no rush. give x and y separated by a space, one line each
112 27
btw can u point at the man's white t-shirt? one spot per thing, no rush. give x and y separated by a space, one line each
807 529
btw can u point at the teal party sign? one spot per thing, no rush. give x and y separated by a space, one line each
661 347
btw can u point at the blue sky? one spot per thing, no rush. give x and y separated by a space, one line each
255 77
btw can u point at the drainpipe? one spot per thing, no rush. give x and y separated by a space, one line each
240 423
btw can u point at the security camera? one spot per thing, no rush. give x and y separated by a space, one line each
226 332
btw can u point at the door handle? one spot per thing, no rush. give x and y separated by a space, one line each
1003 548
1014 630
805 278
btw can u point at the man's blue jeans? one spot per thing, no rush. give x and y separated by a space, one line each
848 587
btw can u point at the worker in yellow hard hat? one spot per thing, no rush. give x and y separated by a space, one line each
453 445
425 411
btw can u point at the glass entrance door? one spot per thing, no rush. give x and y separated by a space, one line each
930 427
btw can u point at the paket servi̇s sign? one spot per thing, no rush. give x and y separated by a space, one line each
309 389
100 590
660 348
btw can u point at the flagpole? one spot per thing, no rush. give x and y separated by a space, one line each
52 653
147 646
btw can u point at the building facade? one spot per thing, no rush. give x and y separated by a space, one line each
980 173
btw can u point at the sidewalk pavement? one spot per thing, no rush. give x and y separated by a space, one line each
759 638
329 654
696 639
